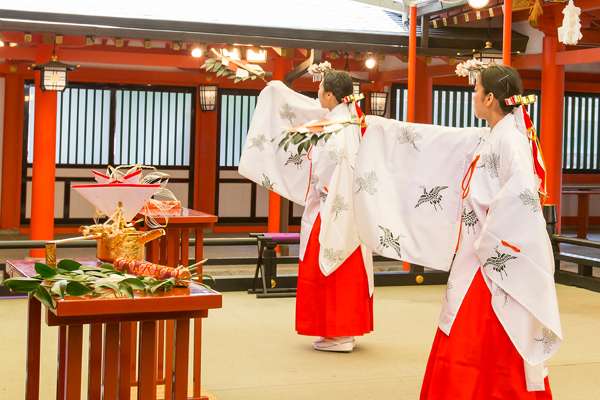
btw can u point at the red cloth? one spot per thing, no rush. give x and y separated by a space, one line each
477 361
336 305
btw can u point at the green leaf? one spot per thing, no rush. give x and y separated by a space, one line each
59 287
108 266
87 268
125 289
134 283
77 289
42 294
44 270
22 284
162 284
314 139
69 265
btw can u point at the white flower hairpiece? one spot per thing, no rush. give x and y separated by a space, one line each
318 70
470 68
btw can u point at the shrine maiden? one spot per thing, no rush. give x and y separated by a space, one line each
468 202
335 278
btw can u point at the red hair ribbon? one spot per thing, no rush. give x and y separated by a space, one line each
536 151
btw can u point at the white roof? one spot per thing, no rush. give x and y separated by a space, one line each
319 15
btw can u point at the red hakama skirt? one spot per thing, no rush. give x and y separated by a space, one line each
334 305
477 361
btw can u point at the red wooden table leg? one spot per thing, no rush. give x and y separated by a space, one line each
73 362
162 259
185 247
125 360
161 351
173 246
34 315
170 327
147 361
61 362
111 360
95 363
173 251
133 360
199 255
182 344
197 357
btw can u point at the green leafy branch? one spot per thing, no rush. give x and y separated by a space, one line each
215 65
303 140
71 278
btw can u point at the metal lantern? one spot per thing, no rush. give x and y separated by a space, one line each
378 103
208 97
53 75
488 55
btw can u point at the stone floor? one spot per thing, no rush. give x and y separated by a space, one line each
251 350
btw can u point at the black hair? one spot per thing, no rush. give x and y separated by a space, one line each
339 83
503 82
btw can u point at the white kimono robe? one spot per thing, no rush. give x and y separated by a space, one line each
321 181
427 198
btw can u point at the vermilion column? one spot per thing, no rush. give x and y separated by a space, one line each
423 96
44 157
507 33
12 152
551 137
412 66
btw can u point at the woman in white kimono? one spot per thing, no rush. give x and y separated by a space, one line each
335 279
472 207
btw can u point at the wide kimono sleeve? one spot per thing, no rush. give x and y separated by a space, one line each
516 256
339 236
407 189
278 108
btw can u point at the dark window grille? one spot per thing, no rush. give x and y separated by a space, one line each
100 125
236 109
581 133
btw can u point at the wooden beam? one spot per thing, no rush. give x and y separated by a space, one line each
527 61
588 5
585 56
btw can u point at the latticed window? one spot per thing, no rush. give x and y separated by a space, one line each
99 125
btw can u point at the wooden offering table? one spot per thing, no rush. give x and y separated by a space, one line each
173 250
111 320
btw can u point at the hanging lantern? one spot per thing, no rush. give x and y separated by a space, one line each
378 103
488 55
208 97
355 88
53 75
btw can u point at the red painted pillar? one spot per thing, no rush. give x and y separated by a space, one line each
205 162
423 96
507 33
44 157
12 152
551 134
282 66
412 66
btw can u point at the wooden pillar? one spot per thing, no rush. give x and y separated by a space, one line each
551 132
507 33
12 151
44 158
412 66
424 94
275 222
205 162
